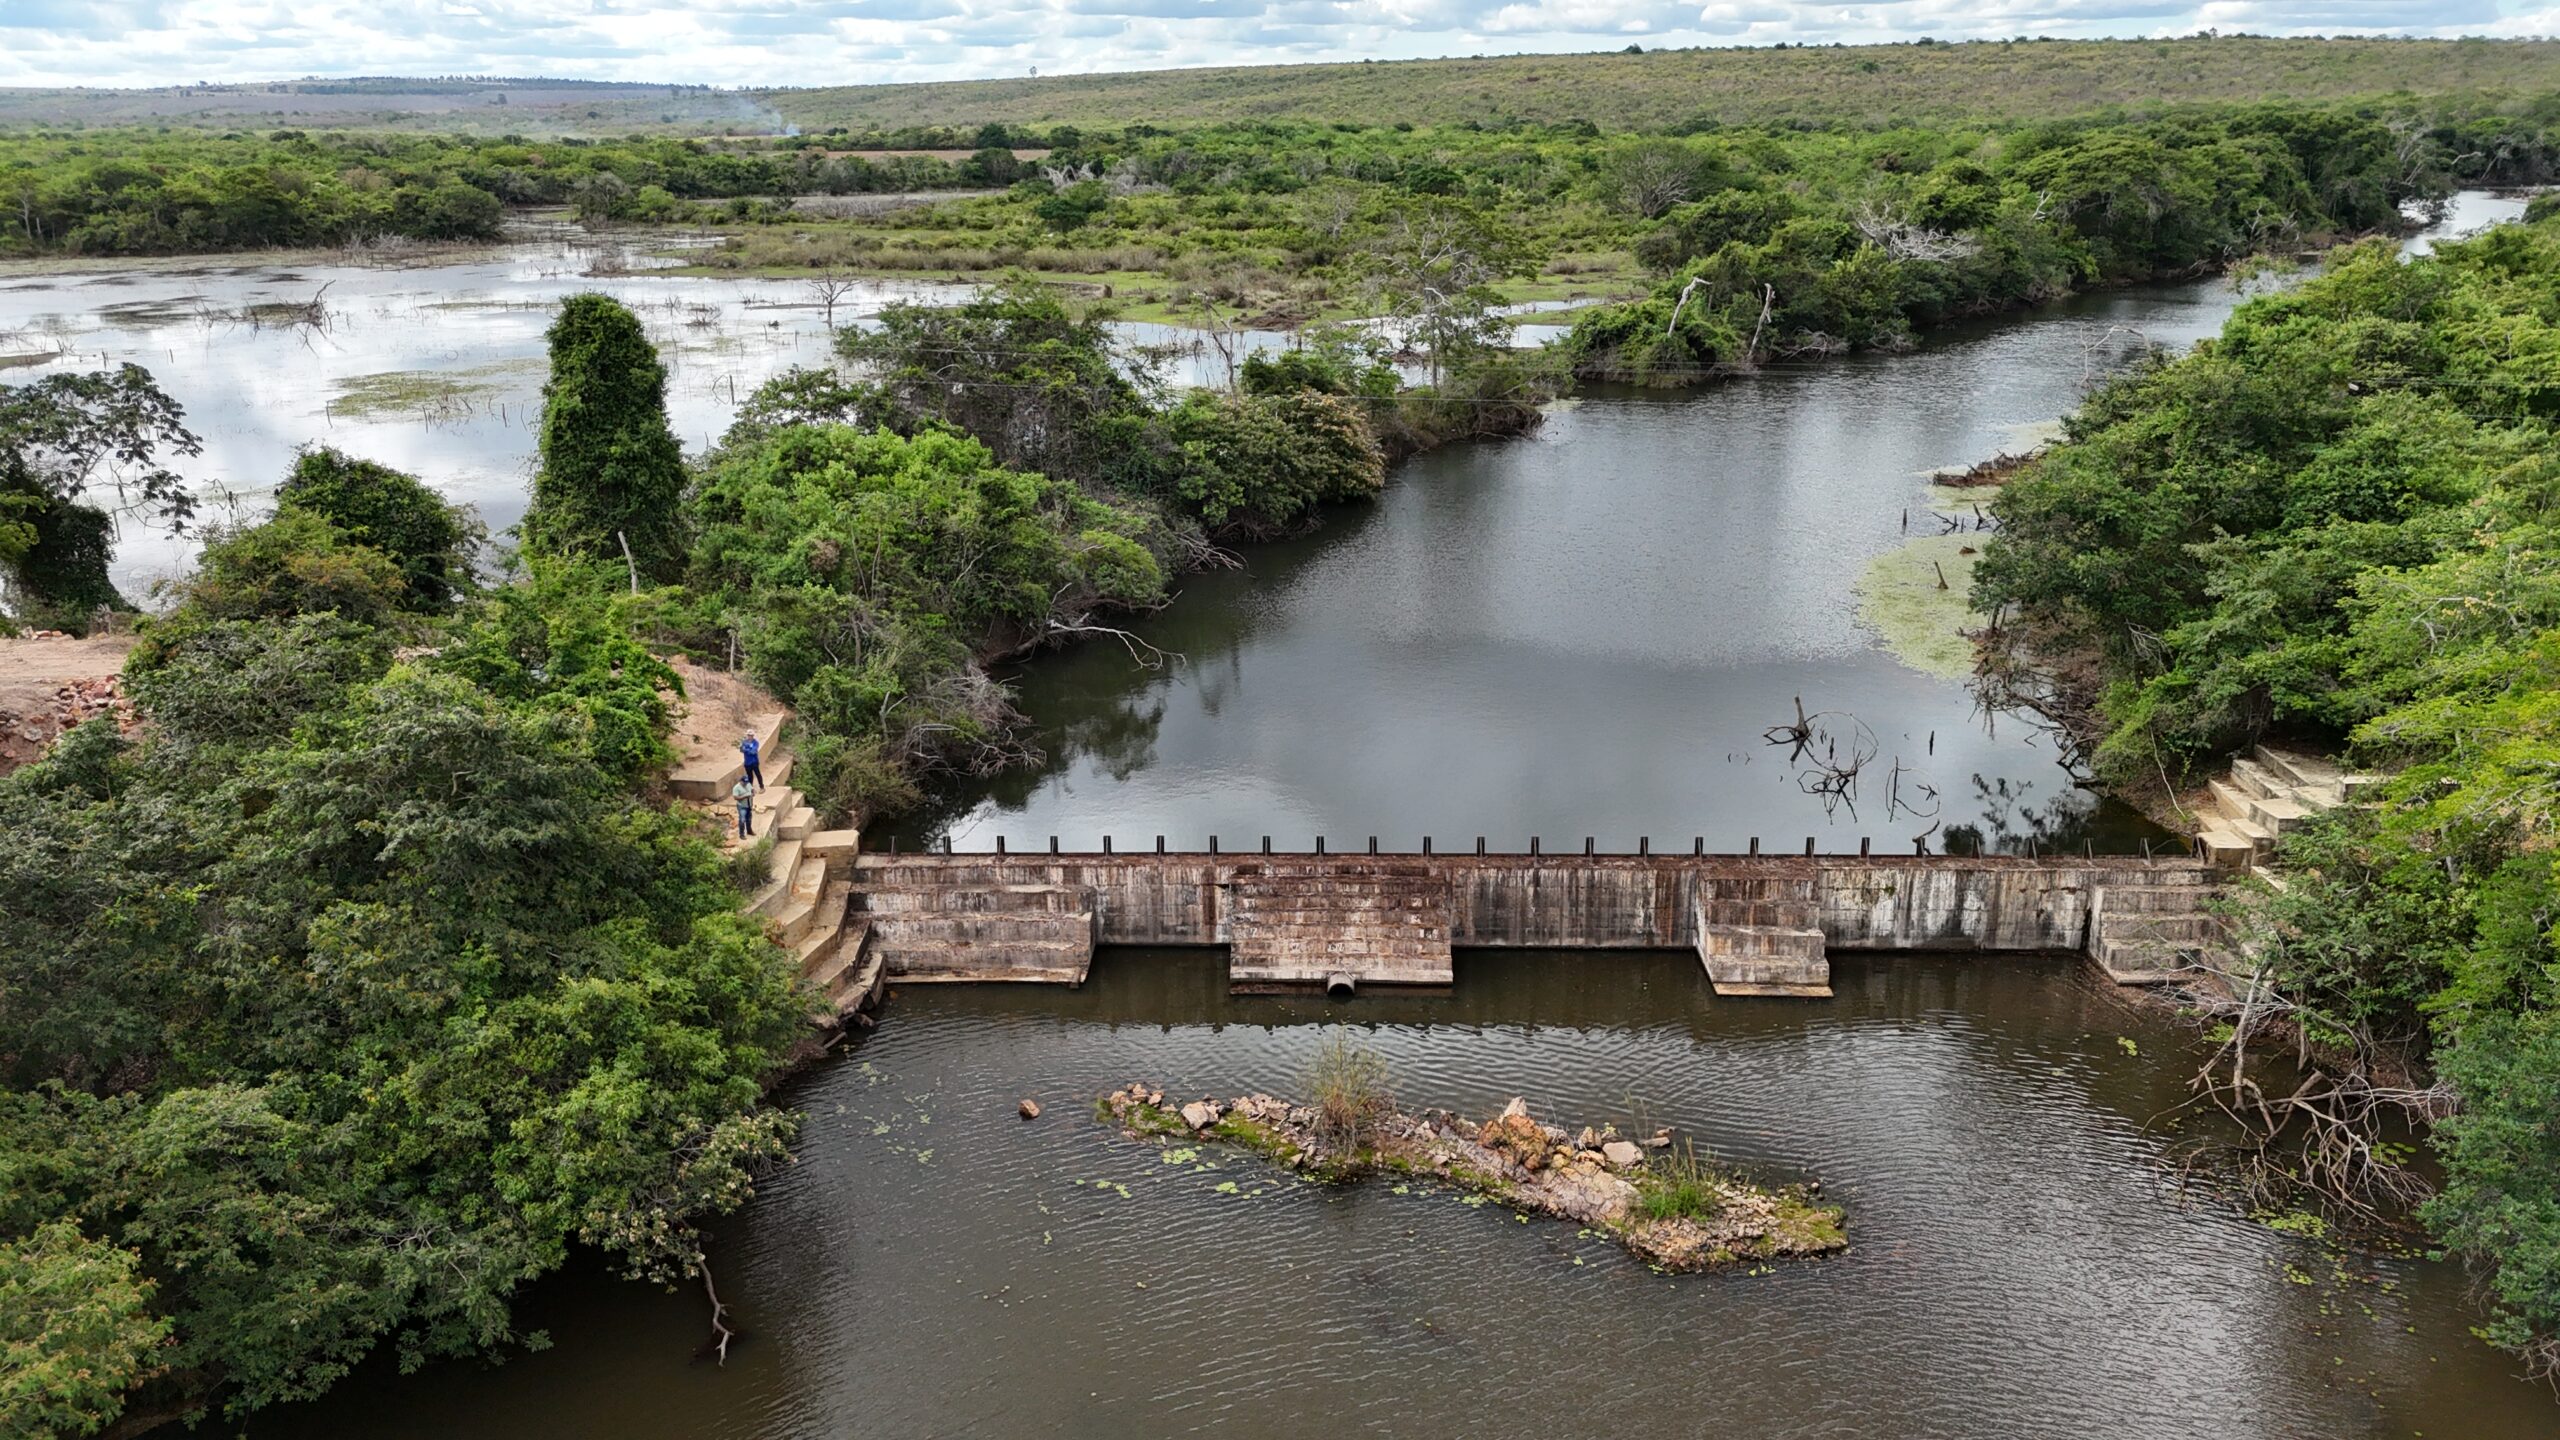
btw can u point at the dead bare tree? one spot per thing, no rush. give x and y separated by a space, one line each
1329 209
1923 805
2089 352
1768 303
1682 304
1655 176
1222 334
2332 1128
1828 750
1888 226
829 289
718 1345
1062 176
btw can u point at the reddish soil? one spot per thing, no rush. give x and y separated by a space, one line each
50 682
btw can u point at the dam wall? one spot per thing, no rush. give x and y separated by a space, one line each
1297 920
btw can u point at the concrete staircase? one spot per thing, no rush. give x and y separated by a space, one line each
971 925
804 897
1762 935
2269 792
1335 925
2155 934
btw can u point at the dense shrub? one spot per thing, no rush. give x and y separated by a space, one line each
392 512
862 569
1265 461
1941 225
2336 521
611 472
350 995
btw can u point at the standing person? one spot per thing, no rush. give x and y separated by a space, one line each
745 795
752 752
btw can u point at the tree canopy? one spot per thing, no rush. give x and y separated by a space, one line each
353 991
2336 521
611 472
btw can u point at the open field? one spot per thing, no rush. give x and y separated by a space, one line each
1659 89
492 106
1883 84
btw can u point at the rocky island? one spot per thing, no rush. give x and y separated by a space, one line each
1670 1208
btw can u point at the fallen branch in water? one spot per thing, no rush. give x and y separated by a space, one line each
1146 655
721 1334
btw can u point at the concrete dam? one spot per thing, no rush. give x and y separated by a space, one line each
1759 924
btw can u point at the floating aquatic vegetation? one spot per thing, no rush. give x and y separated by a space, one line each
428 395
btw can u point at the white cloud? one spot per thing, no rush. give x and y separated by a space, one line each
816 42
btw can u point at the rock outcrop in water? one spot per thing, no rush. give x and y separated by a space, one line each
1664 1205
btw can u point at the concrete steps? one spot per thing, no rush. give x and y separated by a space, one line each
780 872
2156 934
2274 814
807 889
1060 899
2269 793
992 932
1762 935
2158 899
838 846
818 945
710 777
1335 926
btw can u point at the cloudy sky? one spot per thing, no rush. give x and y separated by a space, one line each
813 42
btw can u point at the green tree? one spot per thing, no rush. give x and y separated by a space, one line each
2334 521
351 994
1260 463
866 567
76 1332
1430 265
63 437
1041 387
392 512
611 472
295 564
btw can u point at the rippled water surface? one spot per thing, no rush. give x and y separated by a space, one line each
2022 1261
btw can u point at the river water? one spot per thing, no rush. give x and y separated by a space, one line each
2022 1261
1580 633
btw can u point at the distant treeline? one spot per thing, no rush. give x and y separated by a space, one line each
145 192
1760 266
1923 82
1861 231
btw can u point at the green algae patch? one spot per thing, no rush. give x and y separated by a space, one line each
424 394
1923 625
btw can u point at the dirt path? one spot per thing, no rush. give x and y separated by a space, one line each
717 709
51 682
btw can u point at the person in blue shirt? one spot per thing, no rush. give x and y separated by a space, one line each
748 749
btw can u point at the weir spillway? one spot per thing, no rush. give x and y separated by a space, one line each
1760 924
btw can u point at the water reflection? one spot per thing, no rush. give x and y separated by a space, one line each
434 367
1587 633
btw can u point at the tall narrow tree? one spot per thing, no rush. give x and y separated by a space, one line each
611 470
